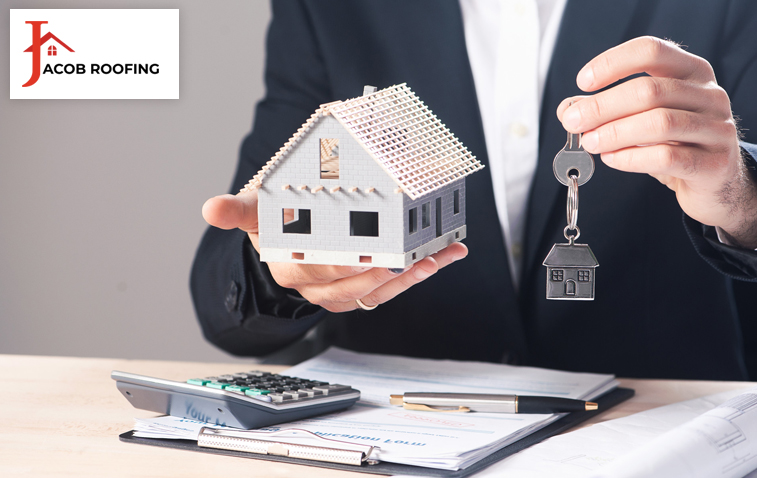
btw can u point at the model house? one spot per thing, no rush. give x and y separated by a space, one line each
374 180
570 272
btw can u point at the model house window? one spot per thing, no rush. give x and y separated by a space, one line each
438 217
456 202
426 215
584 276
52 51
364 223
413 220
296 221
557 275
329 158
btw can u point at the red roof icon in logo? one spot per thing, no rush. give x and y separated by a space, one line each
44 39
37 41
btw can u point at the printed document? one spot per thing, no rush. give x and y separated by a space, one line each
719 443
437 440
643 445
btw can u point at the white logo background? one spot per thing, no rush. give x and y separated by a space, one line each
97 36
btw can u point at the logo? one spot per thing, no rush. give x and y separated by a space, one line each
90 53
37 42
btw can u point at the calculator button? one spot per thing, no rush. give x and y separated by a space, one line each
262 398
276 397
255 391
217 385
198 381
335 388
236 388
308 392
295 395
255 373
225 377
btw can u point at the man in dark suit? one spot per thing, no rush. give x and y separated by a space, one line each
667 301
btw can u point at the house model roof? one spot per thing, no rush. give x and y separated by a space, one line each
566 255
400 133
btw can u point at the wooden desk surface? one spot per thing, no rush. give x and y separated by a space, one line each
61 416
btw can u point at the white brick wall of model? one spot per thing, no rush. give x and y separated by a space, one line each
376 180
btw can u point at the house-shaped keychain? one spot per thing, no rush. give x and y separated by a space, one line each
376 180
570 272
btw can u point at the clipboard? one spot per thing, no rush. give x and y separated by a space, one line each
606 401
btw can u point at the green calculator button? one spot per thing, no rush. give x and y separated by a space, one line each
255 391
217 385
197 381
237 388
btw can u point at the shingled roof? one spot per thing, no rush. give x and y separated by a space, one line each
401 134
566 255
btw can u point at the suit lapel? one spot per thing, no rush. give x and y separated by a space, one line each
588 28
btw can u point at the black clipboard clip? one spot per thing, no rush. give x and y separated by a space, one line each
289 443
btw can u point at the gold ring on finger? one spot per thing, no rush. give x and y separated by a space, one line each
363 306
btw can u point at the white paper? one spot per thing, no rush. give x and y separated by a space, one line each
602 447
719 443
437 440
170 427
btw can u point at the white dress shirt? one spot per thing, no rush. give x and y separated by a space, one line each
510 44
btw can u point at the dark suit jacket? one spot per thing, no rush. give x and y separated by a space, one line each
665 305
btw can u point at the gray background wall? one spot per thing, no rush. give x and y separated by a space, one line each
100 199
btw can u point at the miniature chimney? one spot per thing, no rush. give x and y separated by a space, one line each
368 89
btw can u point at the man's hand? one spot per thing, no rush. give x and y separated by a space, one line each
675 125
334 288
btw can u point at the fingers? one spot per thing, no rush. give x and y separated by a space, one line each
230 212
379 285
643 94
658 126
296 276
660 160
643 55
340 296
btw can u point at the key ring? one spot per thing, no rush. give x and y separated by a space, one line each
571 209
569 237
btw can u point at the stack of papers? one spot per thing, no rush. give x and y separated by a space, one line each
174 428
448 441
713 436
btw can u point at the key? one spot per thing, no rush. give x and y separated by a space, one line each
236 388
307 391
295 395
217 385
276 397
335 388
571 267
573 159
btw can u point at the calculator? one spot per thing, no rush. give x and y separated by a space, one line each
247 400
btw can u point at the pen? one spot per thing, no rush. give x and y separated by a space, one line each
480 402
